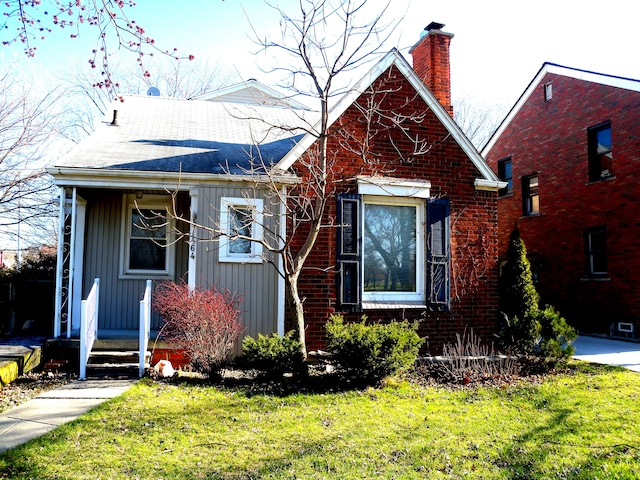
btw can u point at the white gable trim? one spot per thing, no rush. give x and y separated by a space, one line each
249 85
585 75
393 58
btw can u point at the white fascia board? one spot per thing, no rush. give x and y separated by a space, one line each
489 185
395 187
394 58
106 178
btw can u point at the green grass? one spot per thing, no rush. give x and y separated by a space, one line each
584 424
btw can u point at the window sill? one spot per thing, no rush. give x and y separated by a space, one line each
397 305
596 279
533 215
600 180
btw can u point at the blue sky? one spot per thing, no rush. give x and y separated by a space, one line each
498 47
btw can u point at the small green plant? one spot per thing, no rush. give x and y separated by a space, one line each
372 351
272 355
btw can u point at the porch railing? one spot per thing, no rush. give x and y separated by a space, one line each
88 326
145 326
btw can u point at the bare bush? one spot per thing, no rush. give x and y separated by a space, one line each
468 360
203 322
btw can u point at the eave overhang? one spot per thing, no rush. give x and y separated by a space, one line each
126 179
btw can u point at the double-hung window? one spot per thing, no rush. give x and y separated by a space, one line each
595 246
530 195
147 244
505 174
600 148
240 230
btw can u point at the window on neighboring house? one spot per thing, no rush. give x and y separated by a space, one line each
505 174
530 196
147 247
600 152
389 253
241 230
548 91
595 245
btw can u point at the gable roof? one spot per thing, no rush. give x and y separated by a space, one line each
548 67
191 136
489 179
251 92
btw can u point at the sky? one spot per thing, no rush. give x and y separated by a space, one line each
497 49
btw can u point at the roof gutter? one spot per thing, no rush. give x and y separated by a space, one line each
111 178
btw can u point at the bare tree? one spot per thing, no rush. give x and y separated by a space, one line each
478 120
85 103
27 133
28 21
321 63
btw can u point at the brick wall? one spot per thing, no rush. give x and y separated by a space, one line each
550 138
451 173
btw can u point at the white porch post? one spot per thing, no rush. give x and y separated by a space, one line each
191 276
57 323
72 252
281 285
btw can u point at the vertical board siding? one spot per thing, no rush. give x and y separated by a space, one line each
119 298
256 283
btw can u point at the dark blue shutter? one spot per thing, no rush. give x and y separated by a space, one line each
438 254
349 217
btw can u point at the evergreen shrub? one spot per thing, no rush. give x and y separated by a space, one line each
373 351
272 355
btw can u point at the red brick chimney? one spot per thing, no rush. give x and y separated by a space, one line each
431 62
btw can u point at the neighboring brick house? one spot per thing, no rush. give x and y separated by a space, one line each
415 169
570 150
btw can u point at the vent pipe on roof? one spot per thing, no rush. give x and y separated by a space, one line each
114 122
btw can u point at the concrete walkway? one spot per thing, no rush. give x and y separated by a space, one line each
608 352
55 407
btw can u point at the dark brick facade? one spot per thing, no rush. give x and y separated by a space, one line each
548 138
473 218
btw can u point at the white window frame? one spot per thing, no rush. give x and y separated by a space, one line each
421 241
153 202
255 207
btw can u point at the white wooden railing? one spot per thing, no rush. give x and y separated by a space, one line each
88 326
145 325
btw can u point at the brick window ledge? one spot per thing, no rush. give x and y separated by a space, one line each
603 278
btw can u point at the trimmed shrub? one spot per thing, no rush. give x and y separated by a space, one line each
204 323
272 355
372 351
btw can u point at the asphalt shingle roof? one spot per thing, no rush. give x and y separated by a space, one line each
164 134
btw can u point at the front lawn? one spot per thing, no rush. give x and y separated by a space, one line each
582 424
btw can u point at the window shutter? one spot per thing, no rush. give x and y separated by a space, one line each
349 245
438 255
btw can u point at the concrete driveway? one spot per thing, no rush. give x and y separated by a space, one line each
608 352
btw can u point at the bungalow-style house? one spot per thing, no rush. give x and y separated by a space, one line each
410 227
570 153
